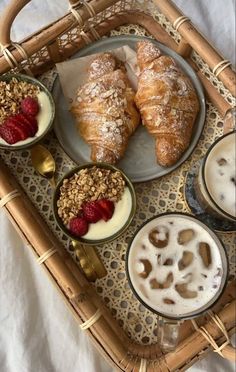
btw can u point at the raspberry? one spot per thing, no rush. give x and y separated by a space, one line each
30 106
78 226
18 126
91 212
29 121
9 134
106 208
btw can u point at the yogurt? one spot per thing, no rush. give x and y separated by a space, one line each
43 118
103 229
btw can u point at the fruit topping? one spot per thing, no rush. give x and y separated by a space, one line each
30 106
106 208
9 134
92 211
30 121
78 226
18 127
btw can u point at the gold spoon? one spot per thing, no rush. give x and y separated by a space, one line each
44 163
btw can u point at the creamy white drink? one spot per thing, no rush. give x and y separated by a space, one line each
103 229
175 265
220 174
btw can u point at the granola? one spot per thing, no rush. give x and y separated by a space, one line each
11 95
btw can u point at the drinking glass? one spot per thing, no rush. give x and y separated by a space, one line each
141 246
215 181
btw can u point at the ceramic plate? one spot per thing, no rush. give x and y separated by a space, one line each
139 162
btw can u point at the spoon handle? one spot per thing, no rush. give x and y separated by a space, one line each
90 262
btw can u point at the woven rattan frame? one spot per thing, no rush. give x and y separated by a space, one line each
71 283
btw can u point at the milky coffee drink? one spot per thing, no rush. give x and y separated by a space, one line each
175 266
219 173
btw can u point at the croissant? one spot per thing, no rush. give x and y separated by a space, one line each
167 102
104 109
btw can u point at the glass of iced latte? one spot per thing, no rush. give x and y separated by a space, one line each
215 184
177 268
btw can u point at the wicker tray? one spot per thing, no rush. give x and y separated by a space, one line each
124 332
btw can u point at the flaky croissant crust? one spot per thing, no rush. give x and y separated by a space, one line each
167 102
104 109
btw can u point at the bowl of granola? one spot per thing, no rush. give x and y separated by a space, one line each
27 111
94 203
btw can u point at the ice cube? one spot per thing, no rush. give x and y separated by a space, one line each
155 285
186 260
147 268
166 284
204 251
168 301
185 236
168 262
182 289
159 237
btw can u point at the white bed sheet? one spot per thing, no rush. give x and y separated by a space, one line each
37 332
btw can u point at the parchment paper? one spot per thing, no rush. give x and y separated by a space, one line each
73 73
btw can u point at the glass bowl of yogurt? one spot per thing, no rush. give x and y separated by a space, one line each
94 203
27 111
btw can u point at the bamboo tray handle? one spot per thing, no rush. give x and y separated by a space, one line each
229 352
23 51
7 18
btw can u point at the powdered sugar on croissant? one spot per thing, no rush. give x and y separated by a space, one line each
167 102
105 111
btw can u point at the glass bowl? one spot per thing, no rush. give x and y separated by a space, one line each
46 120
110 237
